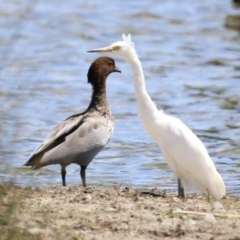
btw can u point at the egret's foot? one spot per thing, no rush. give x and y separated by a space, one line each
208 196
181 194
180 189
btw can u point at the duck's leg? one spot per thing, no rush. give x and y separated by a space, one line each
63 172
83 175
180 189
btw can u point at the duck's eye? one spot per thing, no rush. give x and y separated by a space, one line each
116 48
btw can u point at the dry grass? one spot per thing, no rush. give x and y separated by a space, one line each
11 203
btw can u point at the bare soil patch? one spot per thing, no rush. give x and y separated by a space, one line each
76 213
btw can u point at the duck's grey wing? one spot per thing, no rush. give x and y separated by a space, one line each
57 136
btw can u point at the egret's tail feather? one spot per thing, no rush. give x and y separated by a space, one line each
213 184
218 190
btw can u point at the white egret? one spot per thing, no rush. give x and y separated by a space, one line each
82 136
183 150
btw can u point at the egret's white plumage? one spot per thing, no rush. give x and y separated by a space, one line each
183 150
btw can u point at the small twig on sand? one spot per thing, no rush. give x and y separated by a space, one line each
203 214
153 194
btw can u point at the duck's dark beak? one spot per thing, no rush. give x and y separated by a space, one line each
117 70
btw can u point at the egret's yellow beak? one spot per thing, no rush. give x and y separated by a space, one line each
104 49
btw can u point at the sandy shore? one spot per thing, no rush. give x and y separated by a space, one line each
113 213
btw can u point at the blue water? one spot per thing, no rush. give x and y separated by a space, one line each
191 62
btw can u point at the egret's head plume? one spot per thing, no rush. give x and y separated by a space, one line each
122 49
127 39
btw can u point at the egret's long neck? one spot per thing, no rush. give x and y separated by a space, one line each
147 107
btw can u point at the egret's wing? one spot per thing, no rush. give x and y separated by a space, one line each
60 132
181 143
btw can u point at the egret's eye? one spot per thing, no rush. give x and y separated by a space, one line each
116 48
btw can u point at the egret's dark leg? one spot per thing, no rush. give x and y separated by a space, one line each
208 196
83 175
63 172
180 189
